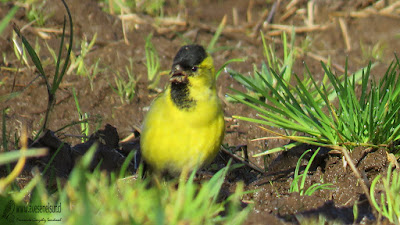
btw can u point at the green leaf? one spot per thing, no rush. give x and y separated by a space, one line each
6 20
12 156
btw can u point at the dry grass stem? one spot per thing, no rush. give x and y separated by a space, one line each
26 26
248 12
287 14
345 33
259 23
325 60
280 28
133 17
377 9
292 4
48 30
235 16
245 162
4 182
273 11
379 4
392 159
390 9
162 25
171 21
44 35
43 32
124 29
111 7
357 174
310 13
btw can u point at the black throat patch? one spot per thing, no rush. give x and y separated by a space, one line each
187 57
180 96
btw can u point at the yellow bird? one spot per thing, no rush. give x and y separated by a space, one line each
184 126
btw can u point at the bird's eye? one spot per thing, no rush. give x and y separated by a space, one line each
194 68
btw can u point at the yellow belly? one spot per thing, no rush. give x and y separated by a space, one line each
173 139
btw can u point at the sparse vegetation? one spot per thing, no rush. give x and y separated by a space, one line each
152 63
58 74
373 53
35 12
264 74
6 20
125 88
116 7
300 188
388 205
83 118
330 106
78 62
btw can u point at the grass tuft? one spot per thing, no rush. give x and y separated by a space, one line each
389 204
83 118
125 88
329 113
152 63
78 63
296 187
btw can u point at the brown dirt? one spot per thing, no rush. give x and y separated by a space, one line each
273 204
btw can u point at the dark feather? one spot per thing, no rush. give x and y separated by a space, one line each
189 56
180 96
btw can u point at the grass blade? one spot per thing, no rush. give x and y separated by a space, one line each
6 20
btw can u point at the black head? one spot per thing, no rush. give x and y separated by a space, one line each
189 56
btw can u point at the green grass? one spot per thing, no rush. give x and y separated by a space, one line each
125 88
211 46
6 20
152 63
117 7
317 220
58 74
329 113
83 118
340 112
300 187
35 12
373 53
388 205
109 199
78 64
20 51
264 73
7 157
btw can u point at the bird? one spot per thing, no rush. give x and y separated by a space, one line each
184 127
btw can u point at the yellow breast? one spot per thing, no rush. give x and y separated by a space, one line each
173 139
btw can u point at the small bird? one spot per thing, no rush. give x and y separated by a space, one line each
184 126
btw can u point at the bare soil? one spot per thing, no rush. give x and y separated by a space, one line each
273 204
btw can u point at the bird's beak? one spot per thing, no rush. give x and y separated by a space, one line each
178 75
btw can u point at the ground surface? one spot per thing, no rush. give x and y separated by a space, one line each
366 25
